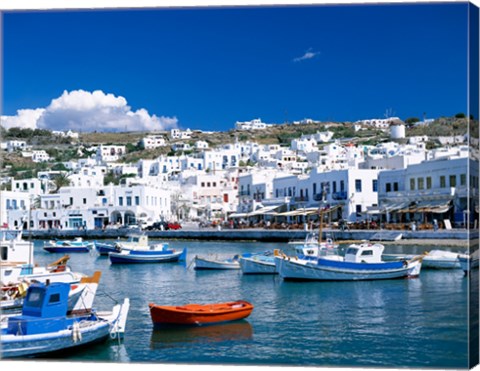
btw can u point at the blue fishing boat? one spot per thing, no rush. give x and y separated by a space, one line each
44 327
159 253
361 262
68 246
105 248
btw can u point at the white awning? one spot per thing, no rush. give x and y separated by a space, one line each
265 210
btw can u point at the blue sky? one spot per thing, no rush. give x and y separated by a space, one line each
206 68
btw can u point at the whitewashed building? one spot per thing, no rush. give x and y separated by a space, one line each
40 156
96 208
255 124
445 188
153 141
109 153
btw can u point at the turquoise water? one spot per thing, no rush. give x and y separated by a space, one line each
411 323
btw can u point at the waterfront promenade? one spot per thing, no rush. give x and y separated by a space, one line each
457 237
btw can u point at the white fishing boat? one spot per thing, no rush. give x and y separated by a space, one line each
361 262
469 261
159 253
434 259
262 263
216 263
134 241
18 269
68 246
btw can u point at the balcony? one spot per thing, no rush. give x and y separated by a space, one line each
340 196
299 199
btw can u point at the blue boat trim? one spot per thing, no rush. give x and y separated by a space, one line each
360 266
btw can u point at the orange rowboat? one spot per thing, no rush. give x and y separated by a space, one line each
199 314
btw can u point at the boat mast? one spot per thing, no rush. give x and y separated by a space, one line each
320 227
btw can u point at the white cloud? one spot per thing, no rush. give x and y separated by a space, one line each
25 119
309 54
81 110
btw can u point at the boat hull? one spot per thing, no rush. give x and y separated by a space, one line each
258 266
207 264
304 270
137 257
65 249
33 345
104 248
197 314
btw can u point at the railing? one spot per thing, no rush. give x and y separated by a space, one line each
340 195
301 199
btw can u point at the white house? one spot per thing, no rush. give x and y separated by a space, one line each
109 153
14 145
153 141
255 124
14 209
40 156
180 134
201 145
304 144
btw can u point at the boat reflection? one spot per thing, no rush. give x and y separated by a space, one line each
231 331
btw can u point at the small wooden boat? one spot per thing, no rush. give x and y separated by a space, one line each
199 314
44 326
160 253
207 263
67 246
434 259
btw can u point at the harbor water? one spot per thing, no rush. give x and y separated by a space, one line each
414 323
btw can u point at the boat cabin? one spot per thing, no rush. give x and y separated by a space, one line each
42 304
135 241
364 253
14 249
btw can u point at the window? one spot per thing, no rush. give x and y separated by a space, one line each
71 201
35 298
443 182
314 188
375 185
463 179
358 185
342 185
54 298
395 186
388 187
358 209
420 183
453 181
412 184
120 201
202 185
129 200
4 253
429 182
137 200
334 187
84 201
367 252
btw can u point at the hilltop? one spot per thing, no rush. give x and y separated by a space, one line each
63 149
